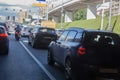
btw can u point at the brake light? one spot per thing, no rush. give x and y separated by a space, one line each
81 51
3 35
17 32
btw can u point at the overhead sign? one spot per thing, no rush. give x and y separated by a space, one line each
39 4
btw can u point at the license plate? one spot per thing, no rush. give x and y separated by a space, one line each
108 70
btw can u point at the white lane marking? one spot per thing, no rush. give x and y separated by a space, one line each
39 63
26 41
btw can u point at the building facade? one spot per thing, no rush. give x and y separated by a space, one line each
116 7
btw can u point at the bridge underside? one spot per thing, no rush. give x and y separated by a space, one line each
72 7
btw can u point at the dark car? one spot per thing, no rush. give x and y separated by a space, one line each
4 41
41 36
4 24
86 54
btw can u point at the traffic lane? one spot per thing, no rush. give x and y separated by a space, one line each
41 54
18 65
57 70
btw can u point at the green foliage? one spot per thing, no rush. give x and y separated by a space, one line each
93 24
80 14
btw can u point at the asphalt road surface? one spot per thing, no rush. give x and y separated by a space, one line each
18 65
26 63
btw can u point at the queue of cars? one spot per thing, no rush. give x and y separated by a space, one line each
86 54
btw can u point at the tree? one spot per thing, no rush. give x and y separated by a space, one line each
80 14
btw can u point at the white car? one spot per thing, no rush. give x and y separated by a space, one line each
25 31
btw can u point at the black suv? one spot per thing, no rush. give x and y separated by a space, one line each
86 54
41 36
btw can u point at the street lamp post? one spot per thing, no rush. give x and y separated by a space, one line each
47 10
102 20
110 15
62 14
38 14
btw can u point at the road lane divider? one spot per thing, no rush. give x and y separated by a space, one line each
38 62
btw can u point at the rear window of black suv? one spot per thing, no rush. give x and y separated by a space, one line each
47 30
101 38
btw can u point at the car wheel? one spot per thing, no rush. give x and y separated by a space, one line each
29 41
6 52
71 75
33 44
68 70
118 76
50 58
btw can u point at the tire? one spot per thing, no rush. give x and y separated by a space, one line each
5 52
118 76
33 44
17 37
68 70
29 43
50 59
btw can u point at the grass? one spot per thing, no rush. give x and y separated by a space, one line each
93 24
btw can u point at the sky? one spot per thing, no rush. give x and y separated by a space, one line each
18 2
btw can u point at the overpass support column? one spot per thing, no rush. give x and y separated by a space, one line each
55 19
68 16
91 12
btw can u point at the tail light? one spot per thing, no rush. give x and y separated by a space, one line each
3 35
17 32
81 51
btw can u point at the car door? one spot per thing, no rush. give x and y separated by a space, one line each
66 45
58 46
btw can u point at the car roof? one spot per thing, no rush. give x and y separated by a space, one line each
46 27
2 26
89 30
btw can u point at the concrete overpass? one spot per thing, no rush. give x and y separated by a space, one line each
70 6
